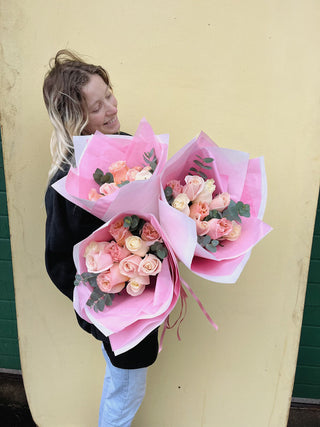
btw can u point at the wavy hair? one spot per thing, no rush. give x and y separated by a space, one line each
64 100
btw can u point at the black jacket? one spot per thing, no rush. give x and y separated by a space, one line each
66 225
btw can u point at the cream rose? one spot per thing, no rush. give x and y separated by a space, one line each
181 203
235 232
144 174
206 193
136 245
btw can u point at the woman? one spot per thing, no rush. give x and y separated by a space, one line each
80 100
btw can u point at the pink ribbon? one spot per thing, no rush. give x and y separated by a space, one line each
199 304
182 314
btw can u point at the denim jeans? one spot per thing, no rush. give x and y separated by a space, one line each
122 394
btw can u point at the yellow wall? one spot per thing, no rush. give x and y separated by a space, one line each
247 73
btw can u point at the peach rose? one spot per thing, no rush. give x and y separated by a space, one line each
199 210
235 232
129 265
108 188
119 232
149 266
149 233
194 186
203 227
181 203
97 257
176 187
94 195
143 174
117 252
132 172
220 202
219 228
137 285
111 281
119 171
136 245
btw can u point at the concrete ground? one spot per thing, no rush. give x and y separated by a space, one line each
14 410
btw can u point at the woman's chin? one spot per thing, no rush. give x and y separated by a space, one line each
111 128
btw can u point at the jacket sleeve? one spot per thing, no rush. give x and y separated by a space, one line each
66 225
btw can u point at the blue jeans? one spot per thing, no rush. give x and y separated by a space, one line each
122 394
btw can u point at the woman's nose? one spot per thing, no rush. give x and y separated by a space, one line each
111 107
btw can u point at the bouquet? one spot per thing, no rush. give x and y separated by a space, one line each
211 207
127 279
116 170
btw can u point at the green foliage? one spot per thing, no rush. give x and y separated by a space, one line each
208 243
101 178
122 183
213 214
159 250
86 277
168 192
134 223
151 159
235 210
202 163
98 300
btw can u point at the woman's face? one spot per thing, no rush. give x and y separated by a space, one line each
102 106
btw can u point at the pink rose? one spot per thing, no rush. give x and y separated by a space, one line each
119 232
149 233
235 232
176 187
108 188
199 210
97 257
194 186
203 227
94 195
117 252
206 193
149 266
131 173
119 171
129 265
111 281
219 228
137 285
220 202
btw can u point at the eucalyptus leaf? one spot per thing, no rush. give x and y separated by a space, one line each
211 248
208 160
100 304
97 175
127 221
122 183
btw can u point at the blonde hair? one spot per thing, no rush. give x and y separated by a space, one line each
63 97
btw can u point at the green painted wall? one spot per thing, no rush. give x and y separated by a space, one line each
9 346
307 379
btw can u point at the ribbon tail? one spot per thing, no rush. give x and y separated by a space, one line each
199 304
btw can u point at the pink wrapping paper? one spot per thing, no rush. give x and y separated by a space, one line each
129 319
234 173
99 151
